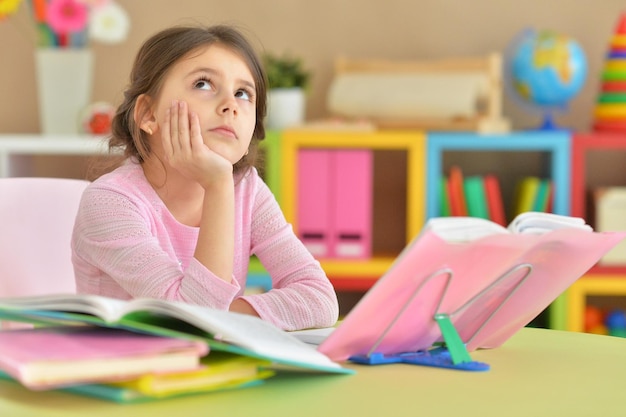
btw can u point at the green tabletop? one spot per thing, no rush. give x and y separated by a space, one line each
538 372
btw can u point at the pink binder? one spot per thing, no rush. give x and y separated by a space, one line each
489 288
314 204
335 202
352 203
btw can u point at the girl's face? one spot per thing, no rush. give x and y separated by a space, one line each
215 83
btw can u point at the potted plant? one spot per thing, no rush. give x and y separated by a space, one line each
288 80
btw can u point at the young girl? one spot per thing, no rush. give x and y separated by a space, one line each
180 218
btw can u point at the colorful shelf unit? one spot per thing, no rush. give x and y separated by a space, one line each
597 161
361 273
573 161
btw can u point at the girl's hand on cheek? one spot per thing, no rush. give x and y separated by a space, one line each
185 150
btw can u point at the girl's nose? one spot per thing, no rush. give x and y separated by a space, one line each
228 104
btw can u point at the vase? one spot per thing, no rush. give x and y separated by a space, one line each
285 107
64 82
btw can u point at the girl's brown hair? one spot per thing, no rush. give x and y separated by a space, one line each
156 56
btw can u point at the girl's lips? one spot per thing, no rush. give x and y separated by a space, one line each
224 131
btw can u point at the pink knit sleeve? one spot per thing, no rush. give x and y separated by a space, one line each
302 296
121 249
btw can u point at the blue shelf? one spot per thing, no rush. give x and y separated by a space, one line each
555 144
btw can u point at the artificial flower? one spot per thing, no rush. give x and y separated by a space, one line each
67 16
8 8
109 23
69 23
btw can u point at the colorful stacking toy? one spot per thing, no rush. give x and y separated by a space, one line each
610 112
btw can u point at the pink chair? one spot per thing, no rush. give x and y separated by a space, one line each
36 221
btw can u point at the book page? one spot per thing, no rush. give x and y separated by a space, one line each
249 332
466 229
107 309
533 222
462 228
313 336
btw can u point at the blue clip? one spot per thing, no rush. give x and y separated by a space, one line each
437 357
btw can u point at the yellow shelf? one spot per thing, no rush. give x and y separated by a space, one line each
367 268
412 142
590 284
353 273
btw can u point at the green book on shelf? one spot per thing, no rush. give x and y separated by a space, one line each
475 197
542 199
444 198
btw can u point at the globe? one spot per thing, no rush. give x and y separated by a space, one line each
545 70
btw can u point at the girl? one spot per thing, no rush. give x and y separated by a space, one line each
180 218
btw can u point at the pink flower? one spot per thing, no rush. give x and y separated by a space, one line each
67 16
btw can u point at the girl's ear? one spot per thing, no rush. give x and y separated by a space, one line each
144 115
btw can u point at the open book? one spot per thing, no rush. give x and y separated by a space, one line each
221 330
490 281
464 229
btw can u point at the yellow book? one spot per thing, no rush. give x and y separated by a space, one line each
218 371
525 194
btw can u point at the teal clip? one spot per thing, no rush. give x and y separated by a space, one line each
453 341
453 356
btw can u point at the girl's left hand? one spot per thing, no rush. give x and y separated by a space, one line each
185 149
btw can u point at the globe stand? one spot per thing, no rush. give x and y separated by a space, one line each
549 125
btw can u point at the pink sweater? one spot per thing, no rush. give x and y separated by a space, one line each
126 244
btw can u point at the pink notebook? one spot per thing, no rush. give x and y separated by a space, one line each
490 288
44 358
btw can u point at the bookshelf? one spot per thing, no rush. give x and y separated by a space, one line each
430 155
408 166
597 161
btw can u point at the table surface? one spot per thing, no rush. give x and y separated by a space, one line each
538 372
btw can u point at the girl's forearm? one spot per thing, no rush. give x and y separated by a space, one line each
216 239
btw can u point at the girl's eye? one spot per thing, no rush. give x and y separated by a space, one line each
244 94
202 84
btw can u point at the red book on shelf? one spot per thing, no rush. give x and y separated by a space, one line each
550 202
494 199
458 206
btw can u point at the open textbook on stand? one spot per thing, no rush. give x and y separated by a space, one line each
469 283
221 330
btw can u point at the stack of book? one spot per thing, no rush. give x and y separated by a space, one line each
480 196
143 349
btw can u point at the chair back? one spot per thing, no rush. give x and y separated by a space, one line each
36 221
